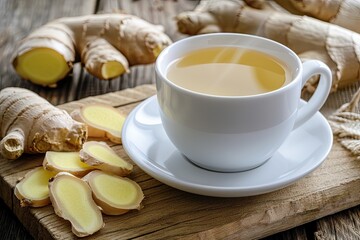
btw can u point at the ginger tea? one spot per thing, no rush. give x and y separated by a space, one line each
228 71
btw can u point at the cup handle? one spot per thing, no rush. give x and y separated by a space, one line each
311 68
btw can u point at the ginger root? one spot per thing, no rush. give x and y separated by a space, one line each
72 200
103 121
114 195
344 13
100 156
30 124
106 44
310 38
32 190
66 162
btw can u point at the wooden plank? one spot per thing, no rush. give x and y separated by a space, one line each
10 228
344 225
18 18
170 213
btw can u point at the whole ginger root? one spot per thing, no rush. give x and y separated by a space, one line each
344 13
308 37
30 124
106 44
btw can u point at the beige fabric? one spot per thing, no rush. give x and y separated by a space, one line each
343 113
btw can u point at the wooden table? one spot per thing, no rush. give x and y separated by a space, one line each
19 17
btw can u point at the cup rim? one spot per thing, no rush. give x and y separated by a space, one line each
293 81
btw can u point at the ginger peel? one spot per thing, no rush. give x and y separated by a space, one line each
100 156
336 46
72 200
103 121
106 44
32 190
114 194
30 124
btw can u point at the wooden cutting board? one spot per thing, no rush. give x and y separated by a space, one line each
169 213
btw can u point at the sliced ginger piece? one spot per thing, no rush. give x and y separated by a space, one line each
72 200
32 190
44 66
101 156
115 195
66 162
103 121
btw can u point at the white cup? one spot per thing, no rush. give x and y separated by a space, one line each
227 133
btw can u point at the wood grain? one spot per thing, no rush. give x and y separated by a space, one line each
80 84
344 225
20 17
171 214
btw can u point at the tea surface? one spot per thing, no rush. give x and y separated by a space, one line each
228 71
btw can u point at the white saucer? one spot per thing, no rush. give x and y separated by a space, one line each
147 144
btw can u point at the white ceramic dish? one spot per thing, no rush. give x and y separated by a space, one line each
147 144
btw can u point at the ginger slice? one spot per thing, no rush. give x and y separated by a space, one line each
32 190
115 195
103 121
66 162
101 156
72 200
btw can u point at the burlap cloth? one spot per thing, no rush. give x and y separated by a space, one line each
342 111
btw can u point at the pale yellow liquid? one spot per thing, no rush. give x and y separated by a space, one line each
228 71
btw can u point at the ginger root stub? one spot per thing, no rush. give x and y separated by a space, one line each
106 44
